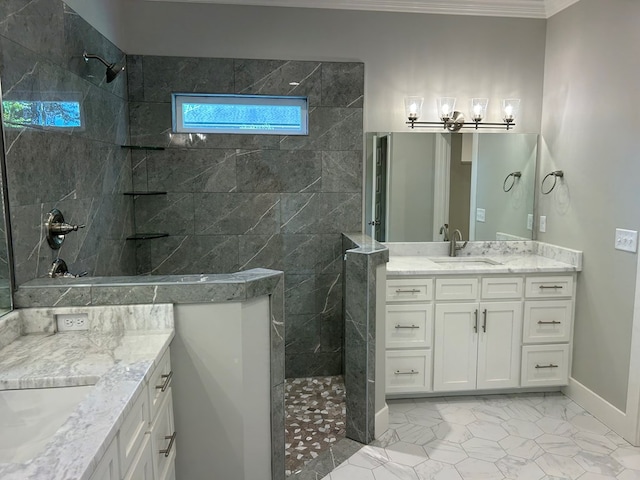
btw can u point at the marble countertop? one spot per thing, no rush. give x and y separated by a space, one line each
117 362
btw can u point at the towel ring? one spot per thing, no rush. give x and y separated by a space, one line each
557 174
514 176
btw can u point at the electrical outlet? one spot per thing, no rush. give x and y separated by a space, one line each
72 321
480 214
626 240
530 221
543 223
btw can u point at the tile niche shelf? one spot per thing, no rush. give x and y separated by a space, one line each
137 193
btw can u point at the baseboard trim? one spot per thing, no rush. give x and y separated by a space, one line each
597 406
382 421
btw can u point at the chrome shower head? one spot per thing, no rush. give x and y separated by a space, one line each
112 69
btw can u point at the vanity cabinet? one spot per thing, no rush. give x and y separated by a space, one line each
144 448
455 333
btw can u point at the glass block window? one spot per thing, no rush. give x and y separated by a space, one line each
39 113
242 114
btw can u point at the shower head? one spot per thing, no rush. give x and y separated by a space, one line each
112 69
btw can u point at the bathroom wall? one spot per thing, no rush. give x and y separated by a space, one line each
236 202
82 171
590 129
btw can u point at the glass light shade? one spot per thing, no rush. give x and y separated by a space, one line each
413 107
446 107
510 108
479 109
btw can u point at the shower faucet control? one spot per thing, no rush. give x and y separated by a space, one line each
57 228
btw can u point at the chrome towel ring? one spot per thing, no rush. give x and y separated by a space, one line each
556 174
513 176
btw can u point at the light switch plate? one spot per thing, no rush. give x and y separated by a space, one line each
626 240
543 223
530 221
480 214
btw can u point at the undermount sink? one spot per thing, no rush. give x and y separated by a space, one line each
464 261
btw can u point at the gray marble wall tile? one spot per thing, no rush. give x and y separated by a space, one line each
274 77
342 171
171 213
63 296
261 251
135 78
312 364
341 86
237 213
330 128
316 253
279 171
321 212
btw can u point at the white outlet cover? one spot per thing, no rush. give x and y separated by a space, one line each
530 221
68 322
480 214
543 223
626 240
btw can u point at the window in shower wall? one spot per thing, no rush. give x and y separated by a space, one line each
243 114
42 113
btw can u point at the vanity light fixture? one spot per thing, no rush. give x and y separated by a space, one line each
453 120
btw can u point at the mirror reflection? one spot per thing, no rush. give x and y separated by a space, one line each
420 186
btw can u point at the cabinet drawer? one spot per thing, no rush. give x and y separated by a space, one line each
547 321
409 326
559 286
502 287
108 467
142 465
545 365
409 290
159 383
132 431
456 288
163 436
408 371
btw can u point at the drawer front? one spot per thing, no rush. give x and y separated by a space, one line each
410 290
132 431
409 326
142 465
159 383
456 288
545 365
408 371
547 321
108 467
548 287
162 432
502 287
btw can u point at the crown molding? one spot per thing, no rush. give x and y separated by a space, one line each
494 8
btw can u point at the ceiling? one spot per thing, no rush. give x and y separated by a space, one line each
495 8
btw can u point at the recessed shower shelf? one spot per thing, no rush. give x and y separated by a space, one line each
147 236
152 192
141 147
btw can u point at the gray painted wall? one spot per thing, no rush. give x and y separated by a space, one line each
404 54
81 171
591 83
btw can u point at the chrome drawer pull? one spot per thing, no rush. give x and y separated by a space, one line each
542 287
551 365
407 326
413 290
167 451
552 322
412 372
167 381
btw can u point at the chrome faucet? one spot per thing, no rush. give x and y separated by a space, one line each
444 231
453 246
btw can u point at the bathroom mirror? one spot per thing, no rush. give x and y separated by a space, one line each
479 183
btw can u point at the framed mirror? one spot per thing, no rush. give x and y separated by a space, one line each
421 185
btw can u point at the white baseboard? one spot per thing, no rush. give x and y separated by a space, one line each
382 421
597 406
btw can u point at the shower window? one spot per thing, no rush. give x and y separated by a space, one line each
39 113
242 114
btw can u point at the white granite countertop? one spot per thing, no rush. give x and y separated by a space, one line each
117 355
481 258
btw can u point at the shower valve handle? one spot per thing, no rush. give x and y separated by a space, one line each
64 228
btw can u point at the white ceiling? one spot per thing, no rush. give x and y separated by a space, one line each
496 8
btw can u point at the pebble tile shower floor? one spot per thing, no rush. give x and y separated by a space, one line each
315 418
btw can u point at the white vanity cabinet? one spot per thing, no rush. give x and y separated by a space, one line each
451 333
144 448
477 341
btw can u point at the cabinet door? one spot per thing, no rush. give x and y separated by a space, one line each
500 330
142 465
163 436
455 347
108 468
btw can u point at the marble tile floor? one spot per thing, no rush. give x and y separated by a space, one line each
315 419
493 437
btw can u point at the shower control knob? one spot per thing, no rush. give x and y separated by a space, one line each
57 228
64 228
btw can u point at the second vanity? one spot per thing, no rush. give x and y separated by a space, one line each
498 317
